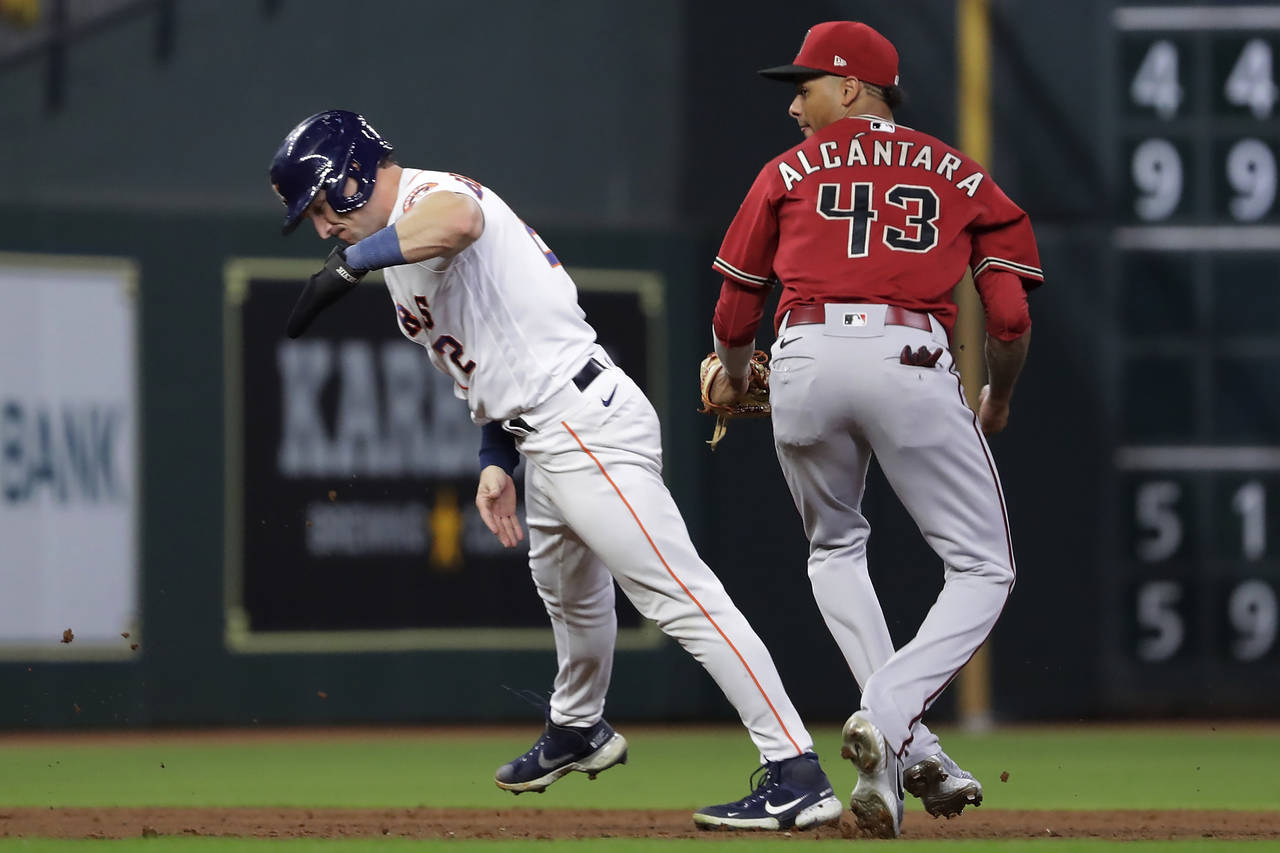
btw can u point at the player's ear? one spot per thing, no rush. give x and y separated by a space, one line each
850 89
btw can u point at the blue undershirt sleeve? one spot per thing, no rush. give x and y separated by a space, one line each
380 249
498 447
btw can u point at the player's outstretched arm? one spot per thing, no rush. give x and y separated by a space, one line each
496 500
1004 363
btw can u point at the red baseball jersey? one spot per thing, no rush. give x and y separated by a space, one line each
866 210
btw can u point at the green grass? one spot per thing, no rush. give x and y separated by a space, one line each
1082 768
1085 768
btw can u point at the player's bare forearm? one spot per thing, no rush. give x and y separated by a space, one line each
1004 363
440 225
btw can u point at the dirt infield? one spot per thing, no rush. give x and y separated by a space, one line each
564 823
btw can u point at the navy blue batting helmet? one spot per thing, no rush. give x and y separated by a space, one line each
320 154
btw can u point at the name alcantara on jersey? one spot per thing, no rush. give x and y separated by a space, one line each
882 154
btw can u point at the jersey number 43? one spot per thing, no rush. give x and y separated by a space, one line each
918 234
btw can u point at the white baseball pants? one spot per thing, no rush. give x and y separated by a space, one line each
598 511
839 395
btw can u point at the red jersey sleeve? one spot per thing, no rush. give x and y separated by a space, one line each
746 255
1004 302
1002 239
738 312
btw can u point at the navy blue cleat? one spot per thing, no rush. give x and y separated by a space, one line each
794 793
561 750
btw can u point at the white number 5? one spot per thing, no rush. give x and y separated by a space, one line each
1156 513
1158 612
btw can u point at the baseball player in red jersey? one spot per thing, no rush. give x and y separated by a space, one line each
867 226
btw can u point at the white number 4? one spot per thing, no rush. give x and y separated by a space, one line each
1156 83
1249 84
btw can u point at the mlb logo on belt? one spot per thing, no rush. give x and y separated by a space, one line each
855 319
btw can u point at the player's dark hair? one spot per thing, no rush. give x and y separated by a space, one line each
893 96
388 160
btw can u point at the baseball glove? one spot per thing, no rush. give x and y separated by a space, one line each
719 399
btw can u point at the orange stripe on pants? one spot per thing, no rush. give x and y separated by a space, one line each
692 597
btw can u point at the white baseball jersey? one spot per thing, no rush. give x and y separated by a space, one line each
502 318
508 329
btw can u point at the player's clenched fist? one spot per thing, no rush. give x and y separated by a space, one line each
496 500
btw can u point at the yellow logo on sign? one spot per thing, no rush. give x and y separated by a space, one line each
445 522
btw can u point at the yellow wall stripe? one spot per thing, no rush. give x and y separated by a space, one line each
973 58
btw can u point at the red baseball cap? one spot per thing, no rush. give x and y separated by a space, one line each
843 48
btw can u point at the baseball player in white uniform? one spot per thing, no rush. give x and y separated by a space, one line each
477 288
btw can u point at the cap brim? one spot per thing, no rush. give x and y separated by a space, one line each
791 73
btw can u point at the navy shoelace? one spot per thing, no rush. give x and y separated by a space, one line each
760 790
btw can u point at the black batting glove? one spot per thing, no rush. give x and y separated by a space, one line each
323 289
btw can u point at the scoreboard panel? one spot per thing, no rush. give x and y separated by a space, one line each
1193 534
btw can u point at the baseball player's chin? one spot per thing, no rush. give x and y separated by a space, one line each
806 131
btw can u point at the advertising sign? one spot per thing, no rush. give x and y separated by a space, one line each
68 457
352 471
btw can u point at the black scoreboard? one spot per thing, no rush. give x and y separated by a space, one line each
1193 576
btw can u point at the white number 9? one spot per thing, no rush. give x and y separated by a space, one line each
1157 173
1253 612
1251 171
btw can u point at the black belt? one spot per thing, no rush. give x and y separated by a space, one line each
588 373
584 377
